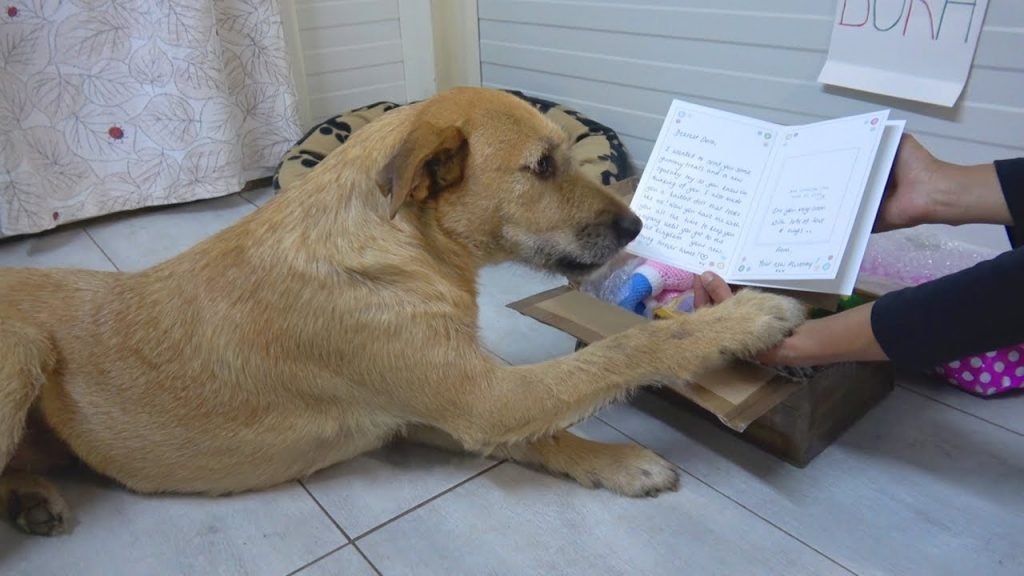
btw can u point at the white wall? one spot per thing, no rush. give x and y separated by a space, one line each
622 61
456 43
357 52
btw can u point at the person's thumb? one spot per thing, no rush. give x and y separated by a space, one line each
718 290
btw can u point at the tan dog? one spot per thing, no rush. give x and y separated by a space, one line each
340 316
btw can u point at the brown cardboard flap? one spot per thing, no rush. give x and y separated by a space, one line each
577 314
738 394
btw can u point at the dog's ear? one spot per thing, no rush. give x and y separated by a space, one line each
430 160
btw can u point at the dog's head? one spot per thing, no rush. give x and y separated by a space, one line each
496 175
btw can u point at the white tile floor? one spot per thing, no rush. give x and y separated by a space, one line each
929 483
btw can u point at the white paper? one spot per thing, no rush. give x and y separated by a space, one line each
761 203
800 227
849 267
699 184
914 49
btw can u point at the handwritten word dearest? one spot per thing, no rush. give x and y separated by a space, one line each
887 15
695 137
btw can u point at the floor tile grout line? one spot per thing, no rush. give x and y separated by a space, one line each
427 501
958 409
100 248
733 500
367 558
317 559
326 513
246 198
496 355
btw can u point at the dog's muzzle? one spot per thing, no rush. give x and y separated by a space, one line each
626 228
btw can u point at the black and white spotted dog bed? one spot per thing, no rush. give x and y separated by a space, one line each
596 148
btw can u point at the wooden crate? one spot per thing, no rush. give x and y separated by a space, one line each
815 414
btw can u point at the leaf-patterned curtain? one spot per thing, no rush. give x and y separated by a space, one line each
110 105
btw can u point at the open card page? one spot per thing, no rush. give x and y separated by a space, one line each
849 266
763 204
802 220
700 185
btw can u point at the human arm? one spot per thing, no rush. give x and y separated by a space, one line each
976 310
842 337
925 190
972 311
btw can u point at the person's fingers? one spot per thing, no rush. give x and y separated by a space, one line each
700 295
771 357
718 290
784 356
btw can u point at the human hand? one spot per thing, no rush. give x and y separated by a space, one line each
925 190
843 337
710 289
913 183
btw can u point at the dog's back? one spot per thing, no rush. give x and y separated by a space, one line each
49 297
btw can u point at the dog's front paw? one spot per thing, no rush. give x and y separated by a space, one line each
761 319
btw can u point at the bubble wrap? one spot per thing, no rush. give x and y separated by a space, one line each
915 256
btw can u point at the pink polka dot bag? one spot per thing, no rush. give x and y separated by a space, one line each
987 374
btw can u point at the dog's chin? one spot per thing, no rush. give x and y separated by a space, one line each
571 262
573 267
569 265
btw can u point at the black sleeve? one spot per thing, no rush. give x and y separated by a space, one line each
972 311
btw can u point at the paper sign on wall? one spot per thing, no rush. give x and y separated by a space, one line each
915 49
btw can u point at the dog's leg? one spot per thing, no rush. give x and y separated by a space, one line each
40 450
525 403
32 504
25 358
627 469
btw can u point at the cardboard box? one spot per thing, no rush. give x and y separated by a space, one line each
792 419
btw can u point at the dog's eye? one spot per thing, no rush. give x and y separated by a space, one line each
545 166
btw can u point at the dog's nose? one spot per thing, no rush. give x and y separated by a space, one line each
627 227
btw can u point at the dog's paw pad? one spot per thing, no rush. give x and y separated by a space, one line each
37 512
638 472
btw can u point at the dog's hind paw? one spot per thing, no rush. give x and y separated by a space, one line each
629 470
38 510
